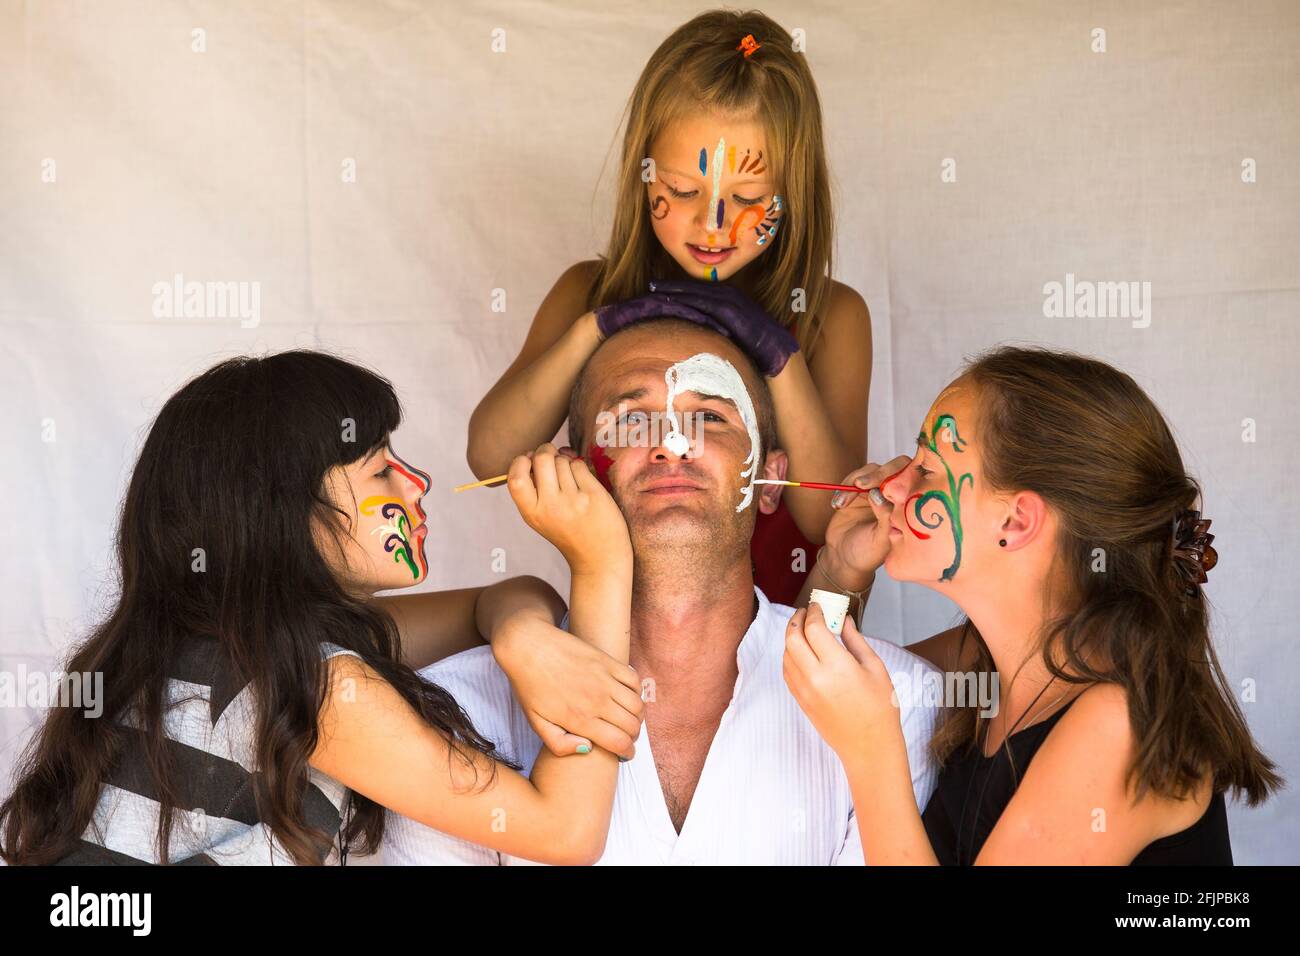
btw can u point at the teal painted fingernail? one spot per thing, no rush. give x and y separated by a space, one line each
622 759
584 748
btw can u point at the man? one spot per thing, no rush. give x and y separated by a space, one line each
729 769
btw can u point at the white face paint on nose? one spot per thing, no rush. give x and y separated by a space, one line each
676 442
707 374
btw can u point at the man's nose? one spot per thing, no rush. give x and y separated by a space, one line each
668 449
673 444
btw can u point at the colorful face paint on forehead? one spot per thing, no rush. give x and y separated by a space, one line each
707 374
717 206
753 165
718 153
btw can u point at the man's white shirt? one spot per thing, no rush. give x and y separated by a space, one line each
771 791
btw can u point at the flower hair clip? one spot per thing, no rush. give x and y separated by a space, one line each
749 45
1192 553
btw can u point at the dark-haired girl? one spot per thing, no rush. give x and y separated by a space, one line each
1048 499
259 703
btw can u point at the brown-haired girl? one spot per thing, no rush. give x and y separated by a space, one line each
1048 499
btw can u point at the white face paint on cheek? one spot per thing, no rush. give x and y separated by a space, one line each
709 374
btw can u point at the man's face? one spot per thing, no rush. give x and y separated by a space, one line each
671 500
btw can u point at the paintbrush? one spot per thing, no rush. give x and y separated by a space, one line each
809 484
481 484
493 481
758 481
874 493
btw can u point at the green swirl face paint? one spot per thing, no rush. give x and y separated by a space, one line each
949 499
398 539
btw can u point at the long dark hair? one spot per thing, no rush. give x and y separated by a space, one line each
1084 436
233 464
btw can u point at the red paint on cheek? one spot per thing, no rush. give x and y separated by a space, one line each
907 521
601 463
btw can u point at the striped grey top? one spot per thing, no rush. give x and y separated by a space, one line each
210 728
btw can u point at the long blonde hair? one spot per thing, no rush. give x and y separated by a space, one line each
699 67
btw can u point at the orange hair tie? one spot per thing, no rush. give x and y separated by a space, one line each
749 45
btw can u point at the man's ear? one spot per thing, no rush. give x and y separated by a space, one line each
774 466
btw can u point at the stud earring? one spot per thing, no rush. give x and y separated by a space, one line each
1002 543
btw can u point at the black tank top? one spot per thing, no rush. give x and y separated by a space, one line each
973 790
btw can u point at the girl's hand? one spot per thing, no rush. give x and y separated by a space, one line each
563 501
857 539
656 305
768 343
844 689
573 694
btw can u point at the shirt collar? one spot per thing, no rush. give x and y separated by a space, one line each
757 636
752 644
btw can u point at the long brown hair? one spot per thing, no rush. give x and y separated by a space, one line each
1086 438
235 461
700 68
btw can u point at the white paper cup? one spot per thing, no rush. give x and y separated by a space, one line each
834 607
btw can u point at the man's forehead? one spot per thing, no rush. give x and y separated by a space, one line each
644 361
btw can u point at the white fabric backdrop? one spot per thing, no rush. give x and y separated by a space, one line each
478 171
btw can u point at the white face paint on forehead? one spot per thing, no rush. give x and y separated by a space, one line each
707 374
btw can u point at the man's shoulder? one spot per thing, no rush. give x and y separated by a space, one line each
476 664
899 658
901 663
481 688
890 653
